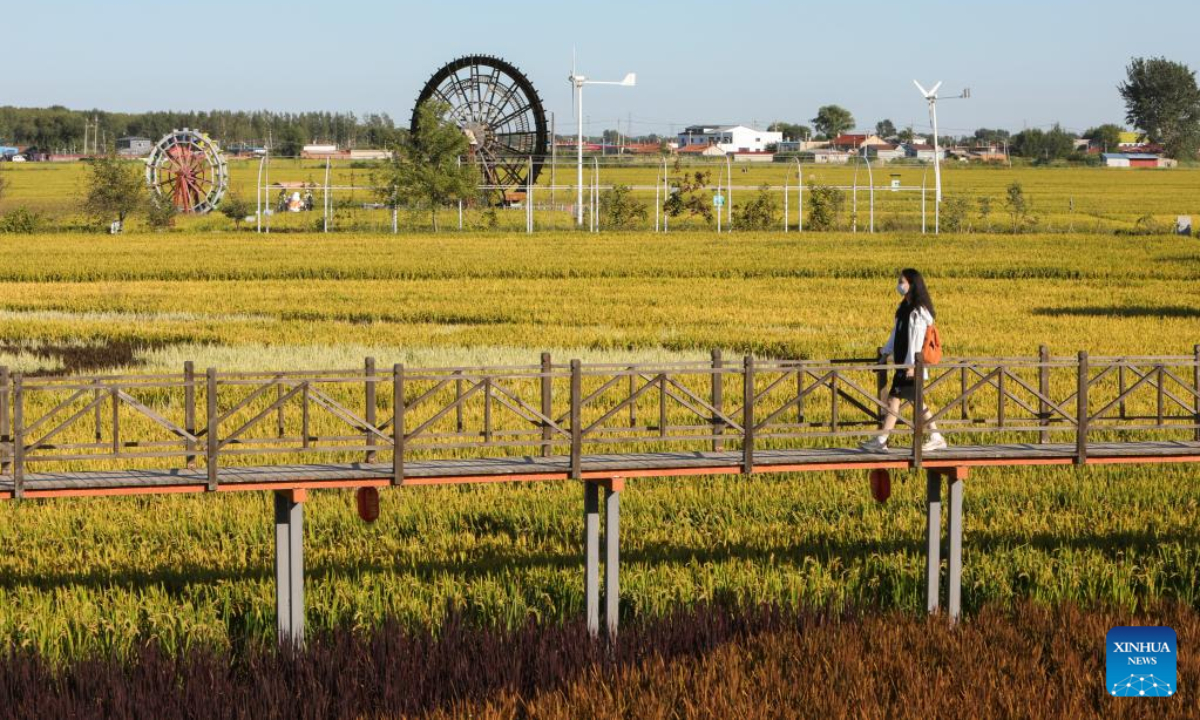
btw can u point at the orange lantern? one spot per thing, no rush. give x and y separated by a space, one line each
881 484
368 503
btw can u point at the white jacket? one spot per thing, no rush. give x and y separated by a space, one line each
918 322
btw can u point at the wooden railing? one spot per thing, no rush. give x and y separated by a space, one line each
569 411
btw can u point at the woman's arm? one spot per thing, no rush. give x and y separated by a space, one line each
891 341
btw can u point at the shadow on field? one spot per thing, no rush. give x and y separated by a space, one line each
84 359
1132 311
174 578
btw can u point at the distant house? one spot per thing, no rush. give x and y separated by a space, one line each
730 138
1129 139
319 150
924 153
827 156
854 142
884 153
650 148
1136 160
133 146
713 150
762 156
785 146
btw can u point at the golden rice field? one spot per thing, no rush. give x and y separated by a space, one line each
1076 199
97 575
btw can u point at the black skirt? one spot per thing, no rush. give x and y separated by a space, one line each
903 387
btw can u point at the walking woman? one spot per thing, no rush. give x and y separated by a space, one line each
913 318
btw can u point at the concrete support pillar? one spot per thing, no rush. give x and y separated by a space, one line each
954 591
289 565
955 478
933 540
612 554
591 556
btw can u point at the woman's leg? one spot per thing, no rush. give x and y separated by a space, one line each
893 414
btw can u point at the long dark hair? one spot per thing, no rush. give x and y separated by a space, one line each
918 294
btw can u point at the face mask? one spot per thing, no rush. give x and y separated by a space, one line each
902 288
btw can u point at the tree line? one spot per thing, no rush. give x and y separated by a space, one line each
1162 101
59 129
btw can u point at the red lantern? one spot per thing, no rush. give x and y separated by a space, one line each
368 503
881 484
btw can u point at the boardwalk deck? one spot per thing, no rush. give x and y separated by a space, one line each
499 469
223 432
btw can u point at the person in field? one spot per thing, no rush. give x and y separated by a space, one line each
914 316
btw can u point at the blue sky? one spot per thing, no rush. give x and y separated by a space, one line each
1027 63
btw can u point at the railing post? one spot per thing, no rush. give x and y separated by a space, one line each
213 445
1044 391
369 393
1196 381
748 414
18 432
398 411
918 408
189 410
576 421
1081 410
718 399
116 421
547 384
5 423
487 410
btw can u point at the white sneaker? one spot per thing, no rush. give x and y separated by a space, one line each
875 444
935 442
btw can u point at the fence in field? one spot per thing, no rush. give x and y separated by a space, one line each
598 423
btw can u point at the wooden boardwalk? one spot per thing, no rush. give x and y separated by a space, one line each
600 424
623 465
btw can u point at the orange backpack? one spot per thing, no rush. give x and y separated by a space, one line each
931 353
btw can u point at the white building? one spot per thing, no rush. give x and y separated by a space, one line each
729 138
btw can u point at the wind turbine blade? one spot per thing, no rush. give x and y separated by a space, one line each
923 92
935 88
630 80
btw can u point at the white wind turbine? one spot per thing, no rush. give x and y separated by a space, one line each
577 82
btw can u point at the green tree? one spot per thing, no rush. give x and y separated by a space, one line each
621 211
985 212
954 214
761 212
688 194
20 221
825 204
1163 101
1018 205
289 141
1044 145
885 128
791 131
160 211
425 168
1106 136
116 189
236 208
833 120
3 185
